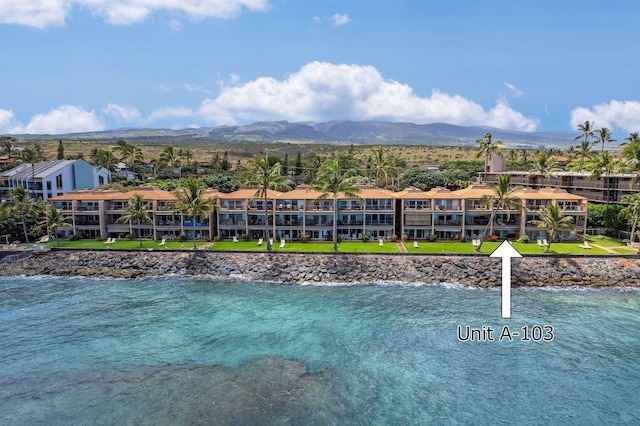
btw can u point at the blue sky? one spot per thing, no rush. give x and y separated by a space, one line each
82 65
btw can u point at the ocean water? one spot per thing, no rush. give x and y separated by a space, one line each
171 351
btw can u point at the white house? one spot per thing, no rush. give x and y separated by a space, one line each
48 179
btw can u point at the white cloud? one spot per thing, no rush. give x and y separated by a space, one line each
624 115
43 13
34 13
168 112
515 92
323 91
7 121
339 20
122 114
64 119
503 117
175 25
194 88
165 87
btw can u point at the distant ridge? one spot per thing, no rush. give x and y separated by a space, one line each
356 132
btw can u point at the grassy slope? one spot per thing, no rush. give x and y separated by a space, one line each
245 151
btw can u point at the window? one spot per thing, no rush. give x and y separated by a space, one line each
59 181
48 185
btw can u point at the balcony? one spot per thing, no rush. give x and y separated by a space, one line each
232 223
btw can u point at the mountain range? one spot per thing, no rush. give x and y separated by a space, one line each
338 132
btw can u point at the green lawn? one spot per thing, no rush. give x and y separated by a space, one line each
294 246
603 240
623 250
445 247
125 244
488 247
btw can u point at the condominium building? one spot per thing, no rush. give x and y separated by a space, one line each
48 179
602 189
97 213
377 213
461 214
301 212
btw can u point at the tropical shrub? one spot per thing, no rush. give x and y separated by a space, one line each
363 237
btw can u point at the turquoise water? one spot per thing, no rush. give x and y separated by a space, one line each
186 351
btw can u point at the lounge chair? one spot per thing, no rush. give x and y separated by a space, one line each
540 242
585 245
415 244
475 242
381 242
108 240
44 239
282 243
260 241
271 241
113 240
544 242
235 239
163 242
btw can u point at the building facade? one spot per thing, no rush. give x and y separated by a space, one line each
461 215
48 179
606 188
376 213
97 213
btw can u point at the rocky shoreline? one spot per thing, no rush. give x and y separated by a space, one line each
301 268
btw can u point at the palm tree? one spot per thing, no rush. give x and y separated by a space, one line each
603 165
587 132
381 164
503 198
632 211
631 154
585 146
129 153
51 221
331 181
32 155
552 219
585 152
543 166
103 158
263 176
172 158
487 149
24 206
191 201
525 157
136 210
7 145
602 136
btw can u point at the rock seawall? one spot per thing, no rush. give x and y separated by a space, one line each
295 268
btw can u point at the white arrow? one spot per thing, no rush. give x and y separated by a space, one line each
506 252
